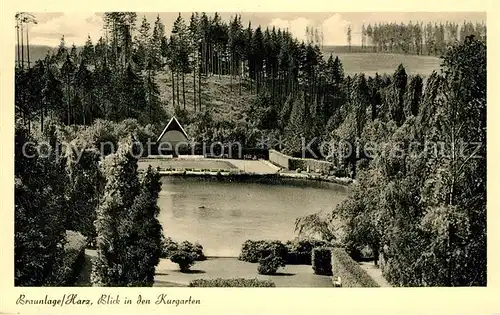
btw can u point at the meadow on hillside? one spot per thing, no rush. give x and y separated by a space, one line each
371 63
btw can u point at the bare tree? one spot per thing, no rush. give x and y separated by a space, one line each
21 19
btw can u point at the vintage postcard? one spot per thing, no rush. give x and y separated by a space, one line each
172 159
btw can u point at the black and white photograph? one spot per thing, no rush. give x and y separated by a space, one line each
250 149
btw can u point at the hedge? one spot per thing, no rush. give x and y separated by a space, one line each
254 251
294 252
300 250
349 271
74 258
298 258
234 282
322 261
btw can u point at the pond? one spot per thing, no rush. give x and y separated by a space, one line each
221 215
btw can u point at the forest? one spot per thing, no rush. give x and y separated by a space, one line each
423 215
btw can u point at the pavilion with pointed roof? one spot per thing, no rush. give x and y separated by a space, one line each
173 136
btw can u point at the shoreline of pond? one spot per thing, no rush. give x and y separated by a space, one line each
306 179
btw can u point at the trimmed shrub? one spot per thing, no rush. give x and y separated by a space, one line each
195 249
321 259
169 247
250 251
349 271
254 251
234 282
270 264
184 259
74 254
300 250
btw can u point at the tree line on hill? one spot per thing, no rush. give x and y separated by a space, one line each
417 38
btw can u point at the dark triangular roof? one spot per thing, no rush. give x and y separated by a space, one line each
173 124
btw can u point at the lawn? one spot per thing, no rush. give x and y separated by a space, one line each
168 274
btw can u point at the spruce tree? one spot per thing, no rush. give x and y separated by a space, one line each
87 54
413 96
396 100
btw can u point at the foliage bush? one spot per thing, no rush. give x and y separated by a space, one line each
321 259
184 259
270 264
107 135
293 252
254 251
85 187
304 245
234 282
194 248
349 271
169 247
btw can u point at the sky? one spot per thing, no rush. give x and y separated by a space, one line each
76 26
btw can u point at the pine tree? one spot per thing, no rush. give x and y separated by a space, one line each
153 98
52 96
257 56
195 45
62 52
84 84
67 71
155 48
142 43
181 50
73 55
121 188
296 129
413 96
88 54
133 94
104 89
396 98
101 52
349 36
